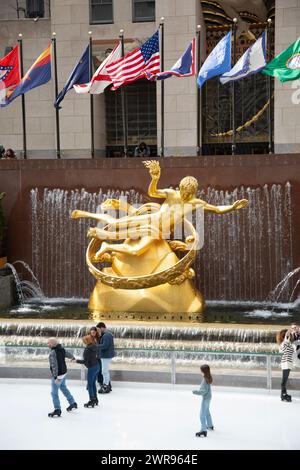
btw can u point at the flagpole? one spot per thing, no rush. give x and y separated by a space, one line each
56 93
233 145
199 95
123 99
92 98
162 89
268 34
20 41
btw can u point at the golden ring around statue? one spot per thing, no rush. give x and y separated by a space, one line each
179 270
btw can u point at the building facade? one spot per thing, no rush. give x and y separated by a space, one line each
72 20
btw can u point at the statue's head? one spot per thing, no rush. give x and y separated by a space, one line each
188 188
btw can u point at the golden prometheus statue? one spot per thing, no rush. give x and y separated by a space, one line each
147 279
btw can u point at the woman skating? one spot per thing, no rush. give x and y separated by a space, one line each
90 360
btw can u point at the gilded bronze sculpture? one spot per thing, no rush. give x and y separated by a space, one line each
146 279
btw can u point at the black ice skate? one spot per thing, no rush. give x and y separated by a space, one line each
55 413
72 407
96 401
286 397
89 404
104 389
201 433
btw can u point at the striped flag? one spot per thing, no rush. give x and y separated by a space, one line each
136 63
100 79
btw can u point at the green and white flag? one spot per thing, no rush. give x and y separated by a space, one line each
285 66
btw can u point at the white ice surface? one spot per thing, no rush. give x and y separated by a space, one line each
146 416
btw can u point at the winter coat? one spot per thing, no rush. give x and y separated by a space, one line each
204 390
106 346
287 350
90 356
57 360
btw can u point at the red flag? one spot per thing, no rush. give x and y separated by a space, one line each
9 74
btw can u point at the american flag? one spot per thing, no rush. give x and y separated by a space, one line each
136 63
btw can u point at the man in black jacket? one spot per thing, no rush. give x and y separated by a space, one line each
58 370
107 353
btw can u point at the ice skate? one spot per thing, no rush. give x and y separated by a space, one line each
72 407
201 433
89 404
286 397
55 413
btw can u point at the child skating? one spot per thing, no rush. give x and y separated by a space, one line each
205 392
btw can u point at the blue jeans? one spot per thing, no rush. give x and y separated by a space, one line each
63 388
105 370
91 381
205 417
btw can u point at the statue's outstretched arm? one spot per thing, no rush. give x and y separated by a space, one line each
105 218
154 170
224 209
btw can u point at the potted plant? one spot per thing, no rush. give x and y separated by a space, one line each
3 260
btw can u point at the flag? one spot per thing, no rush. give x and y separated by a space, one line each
38 74
136 63
9 74
100 79
252 61
218 61
79 74
285 66
184 67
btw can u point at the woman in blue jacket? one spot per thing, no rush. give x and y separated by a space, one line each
205 392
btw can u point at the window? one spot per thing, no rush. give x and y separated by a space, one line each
143 10
101 11
35 9
141 117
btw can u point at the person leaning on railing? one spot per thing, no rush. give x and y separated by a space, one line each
9 154
142 150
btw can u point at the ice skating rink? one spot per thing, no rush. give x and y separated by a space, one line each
146 416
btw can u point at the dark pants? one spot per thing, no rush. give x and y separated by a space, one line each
100 377
91 380
285 376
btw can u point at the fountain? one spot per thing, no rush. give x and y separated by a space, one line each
246 271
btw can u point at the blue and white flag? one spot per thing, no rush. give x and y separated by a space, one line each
252 61
79 75
218 61
184 67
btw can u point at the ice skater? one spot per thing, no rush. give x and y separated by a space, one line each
96 334
285 338
107 353
90 360
58 370
205 392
